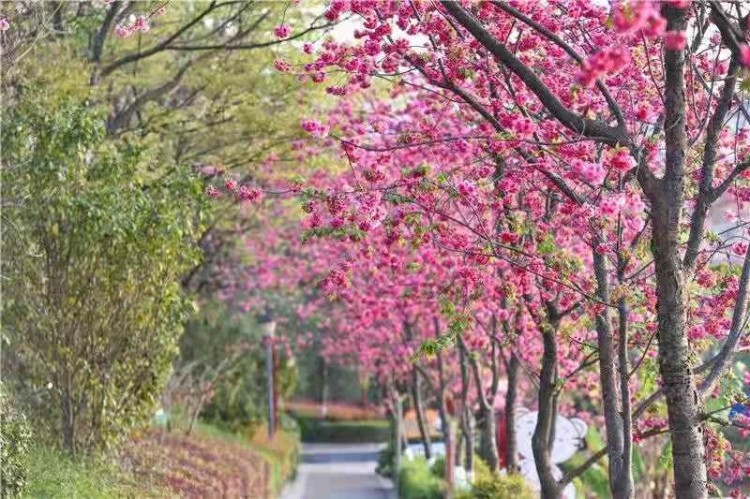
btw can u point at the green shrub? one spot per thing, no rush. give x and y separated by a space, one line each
438 467
15 439
321 430
416 481
496 486
481 469
385 461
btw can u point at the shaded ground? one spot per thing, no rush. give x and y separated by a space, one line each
339 471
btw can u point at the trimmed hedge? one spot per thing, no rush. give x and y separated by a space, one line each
321 430
282 452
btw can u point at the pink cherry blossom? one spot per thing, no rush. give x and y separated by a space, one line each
282 65
745 55
675 40
314 127
141 24
282 31
123 31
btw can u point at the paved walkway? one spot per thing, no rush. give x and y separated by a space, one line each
339 471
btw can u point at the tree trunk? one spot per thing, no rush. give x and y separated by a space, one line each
488 438
68 424
460 439
447 424
671 289
468 434
324 388
449 441
619 483
397 449
448 438
674 362
624 365
469 440
540 441
424 431
511 450
487 428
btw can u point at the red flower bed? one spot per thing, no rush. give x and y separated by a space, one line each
335 411
197 466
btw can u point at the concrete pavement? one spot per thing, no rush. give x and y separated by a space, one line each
339 471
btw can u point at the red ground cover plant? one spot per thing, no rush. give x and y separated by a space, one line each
335 411
196 466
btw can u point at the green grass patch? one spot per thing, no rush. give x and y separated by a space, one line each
53 474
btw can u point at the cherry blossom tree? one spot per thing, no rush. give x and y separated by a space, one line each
477 77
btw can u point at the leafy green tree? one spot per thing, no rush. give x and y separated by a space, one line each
225 352
97 237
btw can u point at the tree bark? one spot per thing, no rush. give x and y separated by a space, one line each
68 424
488 438
470 442
324 388
671 289
619 477
448 440
540 441
487 428
466 429
624 365
447 424
397 448
511 449
424 431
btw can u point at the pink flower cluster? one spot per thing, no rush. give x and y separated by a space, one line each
213 192
612 205
622 161
282 31
282 66
602 63
630 17
334 10
4 24
140 24
249 194
467 189
745 54
314 128
336 281
675 40
241 193
592 173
